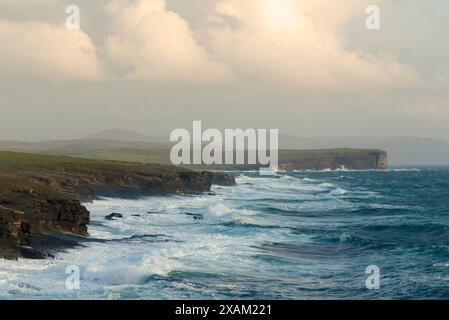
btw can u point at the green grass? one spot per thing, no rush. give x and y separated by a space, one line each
120 154
13 162
21 160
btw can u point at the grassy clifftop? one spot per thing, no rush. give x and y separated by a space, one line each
288 159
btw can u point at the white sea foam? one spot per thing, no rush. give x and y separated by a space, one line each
338 191
130 272
163 234
326 185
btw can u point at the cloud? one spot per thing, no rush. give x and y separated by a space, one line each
297 44
39 50
292 44
154 44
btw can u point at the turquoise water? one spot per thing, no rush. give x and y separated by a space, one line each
299 235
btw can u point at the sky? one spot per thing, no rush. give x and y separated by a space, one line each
307 68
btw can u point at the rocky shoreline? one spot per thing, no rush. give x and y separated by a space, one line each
40 195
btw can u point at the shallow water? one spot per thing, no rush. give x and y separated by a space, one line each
298 235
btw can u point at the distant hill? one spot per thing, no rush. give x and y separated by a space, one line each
76 144
125 135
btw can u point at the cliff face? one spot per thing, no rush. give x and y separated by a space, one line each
32 214
336 159
40 194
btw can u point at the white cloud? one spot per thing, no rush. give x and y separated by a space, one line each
39 50
154 44
296 44
291 43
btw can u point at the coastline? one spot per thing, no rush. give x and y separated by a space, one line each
44 194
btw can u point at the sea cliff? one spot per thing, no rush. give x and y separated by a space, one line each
333 159
44 194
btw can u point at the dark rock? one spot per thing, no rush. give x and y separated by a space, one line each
156 212
113 215
24 285
31 253
196 216
220 179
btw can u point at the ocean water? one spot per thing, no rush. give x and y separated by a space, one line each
296 235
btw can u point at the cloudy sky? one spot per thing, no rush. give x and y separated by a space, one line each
309 68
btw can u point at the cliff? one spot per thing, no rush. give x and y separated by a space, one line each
41 194
333 159
352 159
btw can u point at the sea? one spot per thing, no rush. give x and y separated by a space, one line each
294 235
